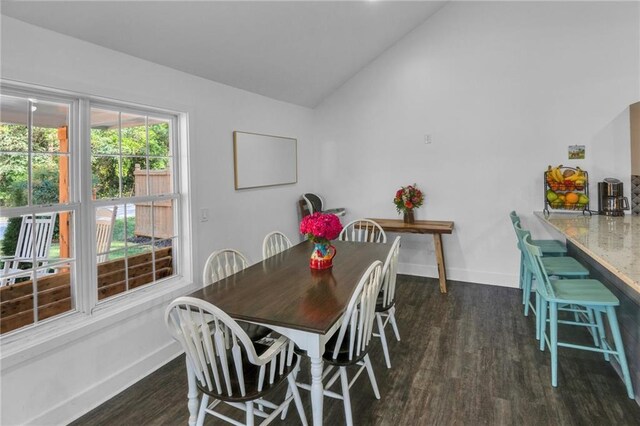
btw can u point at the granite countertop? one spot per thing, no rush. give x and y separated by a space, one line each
614 242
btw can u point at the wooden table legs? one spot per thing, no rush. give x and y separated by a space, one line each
442 274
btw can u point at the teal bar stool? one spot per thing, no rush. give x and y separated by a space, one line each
592 296
549 247
562 267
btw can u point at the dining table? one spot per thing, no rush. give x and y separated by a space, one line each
306 305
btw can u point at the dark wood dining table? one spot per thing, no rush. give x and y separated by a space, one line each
286 295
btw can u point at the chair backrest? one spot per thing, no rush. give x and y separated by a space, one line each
514 217
44 224
363 230
105 218
534 254
215 346
520 233
222 263
274 243
314 202
358 318
389 274
515 221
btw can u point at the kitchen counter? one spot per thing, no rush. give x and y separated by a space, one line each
614 242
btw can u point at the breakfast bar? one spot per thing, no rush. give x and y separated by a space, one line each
609 246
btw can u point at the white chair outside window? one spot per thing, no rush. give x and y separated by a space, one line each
221 264
315 203
350 344
274 243
105 218
34 236
386 306
228 366
364 231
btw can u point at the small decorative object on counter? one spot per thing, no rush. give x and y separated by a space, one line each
408 198
566 188
321 228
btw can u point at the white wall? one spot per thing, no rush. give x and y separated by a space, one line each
68 381
634 117
503 88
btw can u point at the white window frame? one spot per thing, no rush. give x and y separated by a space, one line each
90 205
90 315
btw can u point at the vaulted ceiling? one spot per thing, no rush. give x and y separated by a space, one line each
298 51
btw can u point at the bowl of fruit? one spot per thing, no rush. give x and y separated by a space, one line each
565 188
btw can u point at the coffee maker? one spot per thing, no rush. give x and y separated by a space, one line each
611 201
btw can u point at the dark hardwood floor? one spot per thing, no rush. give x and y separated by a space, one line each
466 358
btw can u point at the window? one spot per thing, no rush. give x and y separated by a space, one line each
132 185
117 181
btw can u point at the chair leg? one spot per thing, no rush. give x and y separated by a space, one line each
526 282
201 413
296 398
249 413
345 396
622 358
553 316
520 281
542 322
537 316
394 325
602 333
526 293
594 330
372 376
383 340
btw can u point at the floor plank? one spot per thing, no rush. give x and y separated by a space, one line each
468 357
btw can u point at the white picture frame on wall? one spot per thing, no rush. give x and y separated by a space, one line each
264 160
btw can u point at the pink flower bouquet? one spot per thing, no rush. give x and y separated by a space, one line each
320 227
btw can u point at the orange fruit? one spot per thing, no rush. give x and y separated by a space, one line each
571 198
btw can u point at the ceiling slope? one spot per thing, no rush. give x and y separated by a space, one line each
297 52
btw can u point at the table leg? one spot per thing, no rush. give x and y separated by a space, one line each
192 394
442 274
317 390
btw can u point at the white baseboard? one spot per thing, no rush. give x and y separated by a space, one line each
458 274
98 393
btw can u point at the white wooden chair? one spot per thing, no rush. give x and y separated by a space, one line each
315 203
386 306
228 366
105 218
363 230
350 344
221 264
34 236
274 243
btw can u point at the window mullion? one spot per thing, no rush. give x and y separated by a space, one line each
85 228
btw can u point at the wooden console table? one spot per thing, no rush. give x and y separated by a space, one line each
435 227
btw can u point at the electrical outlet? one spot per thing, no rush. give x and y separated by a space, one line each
427 139
204 215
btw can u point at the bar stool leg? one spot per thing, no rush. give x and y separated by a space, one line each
537 316
553 316
526 293
622 359
520 282
594 330
601 331
542 324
